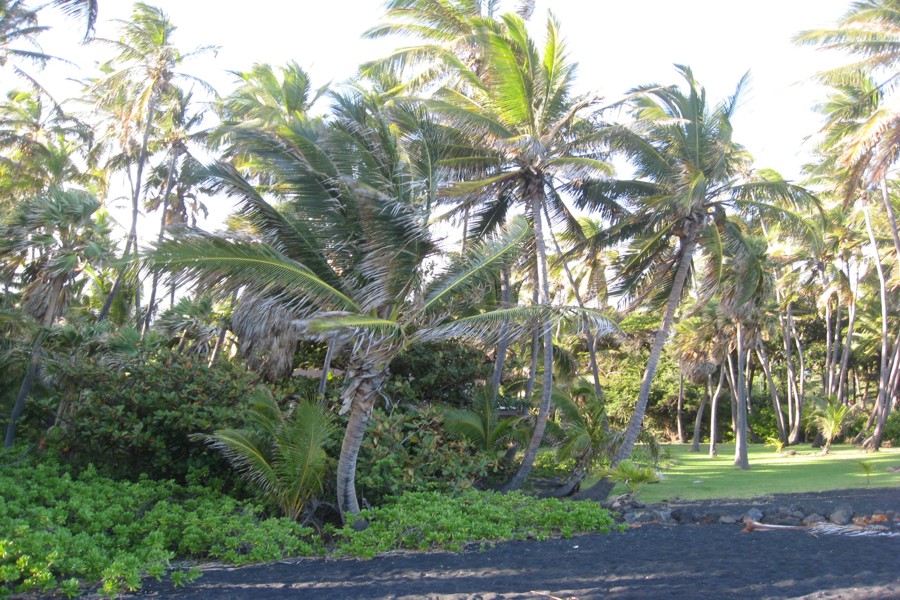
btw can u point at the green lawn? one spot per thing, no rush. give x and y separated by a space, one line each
696 476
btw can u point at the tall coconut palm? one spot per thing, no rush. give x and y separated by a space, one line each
689 172
526 138
344 253
132 91
870 33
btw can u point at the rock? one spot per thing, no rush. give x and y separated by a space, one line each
641 516
813 518
798 514
782 520
754 514
727 520
841 515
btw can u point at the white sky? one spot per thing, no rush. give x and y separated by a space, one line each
619 44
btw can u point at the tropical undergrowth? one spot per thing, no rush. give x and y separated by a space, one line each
68 533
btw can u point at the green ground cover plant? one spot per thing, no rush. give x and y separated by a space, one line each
430 520
696 476
60 532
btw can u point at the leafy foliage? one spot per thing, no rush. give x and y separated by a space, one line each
430 520
280 453
411 451
437 372
139 419
59 530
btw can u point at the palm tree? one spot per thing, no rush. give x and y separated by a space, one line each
525 138
344 254
689 172
279 452
133 90
481 424
831 417
870 33
55 237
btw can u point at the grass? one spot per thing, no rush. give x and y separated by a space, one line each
696 476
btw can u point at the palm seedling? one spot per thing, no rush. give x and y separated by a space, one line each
281 453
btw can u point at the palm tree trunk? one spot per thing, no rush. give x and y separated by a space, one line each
34 360
135 211
170 182
637 419
843 372
698 422
773 392
363 379
535 355
591 338
740 431
540 425
714 407
882 403
505 302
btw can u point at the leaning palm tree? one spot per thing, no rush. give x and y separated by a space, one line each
345 254
525 138
689 173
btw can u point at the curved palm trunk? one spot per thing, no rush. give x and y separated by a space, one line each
637 419
882 403
773 392
602 488
364 378
713 418
540 423
698 422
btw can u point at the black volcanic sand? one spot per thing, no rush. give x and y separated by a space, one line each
652 561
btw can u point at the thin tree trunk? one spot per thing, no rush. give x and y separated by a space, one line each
535 355
882 405
714 407
543 414
843 372
135 205
591 338
505 302
33 361
773 392
740 432
170 182
695 445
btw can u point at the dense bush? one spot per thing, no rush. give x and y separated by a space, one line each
59 531
410 451
428 520
892 429
138 419
438 372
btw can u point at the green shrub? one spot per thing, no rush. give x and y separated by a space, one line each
438 373
62 532
429 520
138 420
409 451
892 429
